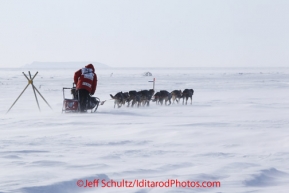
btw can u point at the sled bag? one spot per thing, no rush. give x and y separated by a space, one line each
70 104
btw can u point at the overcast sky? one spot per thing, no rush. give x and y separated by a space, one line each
137 33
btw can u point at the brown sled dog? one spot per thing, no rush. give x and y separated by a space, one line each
176 95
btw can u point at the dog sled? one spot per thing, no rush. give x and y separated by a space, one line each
73 105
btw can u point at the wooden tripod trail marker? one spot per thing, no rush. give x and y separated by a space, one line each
30 81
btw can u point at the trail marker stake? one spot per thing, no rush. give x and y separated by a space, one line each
30 81
153 81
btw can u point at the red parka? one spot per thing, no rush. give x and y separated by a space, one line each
86 78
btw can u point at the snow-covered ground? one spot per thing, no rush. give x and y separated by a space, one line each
235 132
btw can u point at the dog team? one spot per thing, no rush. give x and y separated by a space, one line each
143 97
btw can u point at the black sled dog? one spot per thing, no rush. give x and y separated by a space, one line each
146 96
165 96
188 93
118 99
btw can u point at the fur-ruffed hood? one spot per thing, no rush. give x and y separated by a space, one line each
90 66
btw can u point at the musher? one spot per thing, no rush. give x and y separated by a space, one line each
86 82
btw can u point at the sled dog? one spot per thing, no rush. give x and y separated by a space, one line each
176 95
118 99
188 93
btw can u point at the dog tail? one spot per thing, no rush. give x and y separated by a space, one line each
111 96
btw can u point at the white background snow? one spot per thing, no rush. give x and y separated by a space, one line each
235 132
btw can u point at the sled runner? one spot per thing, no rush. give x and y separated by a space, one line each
73 105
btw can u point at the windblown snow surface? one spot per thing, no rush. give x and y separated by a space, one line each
235 132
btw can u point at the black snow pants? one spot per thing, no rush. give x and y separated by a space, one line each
83 99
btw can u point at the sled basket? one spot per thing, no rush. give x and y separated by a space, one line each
73 105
